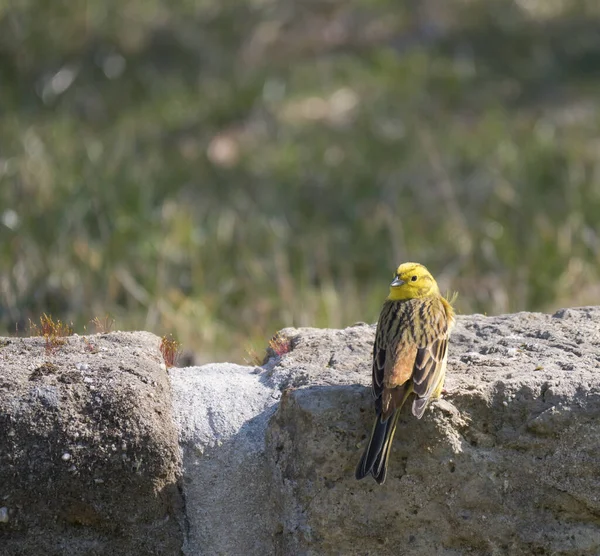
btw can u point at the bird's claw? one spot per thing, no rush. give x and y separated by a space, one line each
448 391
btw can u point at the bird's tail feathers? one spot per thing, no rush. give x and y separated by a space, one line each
375 457
380 465
377 453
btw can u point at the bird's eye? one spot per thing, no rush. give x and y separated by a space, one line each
414 278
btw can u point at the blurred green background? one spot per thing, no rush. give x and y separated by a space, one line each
220 169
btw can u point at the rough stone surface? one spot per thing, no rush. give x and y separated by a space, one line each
223 411
506 463
89 458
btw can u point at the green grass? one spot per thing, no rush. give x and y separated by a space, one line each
221 170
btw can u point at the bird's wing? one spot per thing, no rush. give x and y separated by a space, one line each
430 363
380 349
428 373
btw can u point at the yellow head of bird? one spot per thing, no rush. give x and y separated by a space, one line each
411 281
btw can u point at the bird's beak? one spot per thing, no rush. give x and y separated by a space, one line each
397 282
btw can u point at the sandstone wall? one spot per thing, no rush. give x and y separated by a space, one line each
506 463
89 457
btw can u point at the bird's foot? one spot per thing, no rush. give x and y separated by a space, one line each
447 392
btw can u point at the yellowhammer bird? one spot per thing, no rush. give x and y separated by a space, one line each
409 358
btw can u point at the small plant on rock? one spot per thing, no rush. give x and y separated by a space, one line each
280 344
53 331
171 350
103 325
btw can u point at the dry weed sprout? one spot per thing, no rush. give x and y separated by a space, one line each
170 350
104 325
280 345
53 331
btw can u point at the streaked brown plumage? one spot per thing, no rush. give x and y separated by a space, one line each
409 358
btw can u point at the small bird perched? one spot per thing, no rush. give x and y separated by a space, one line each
409 358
